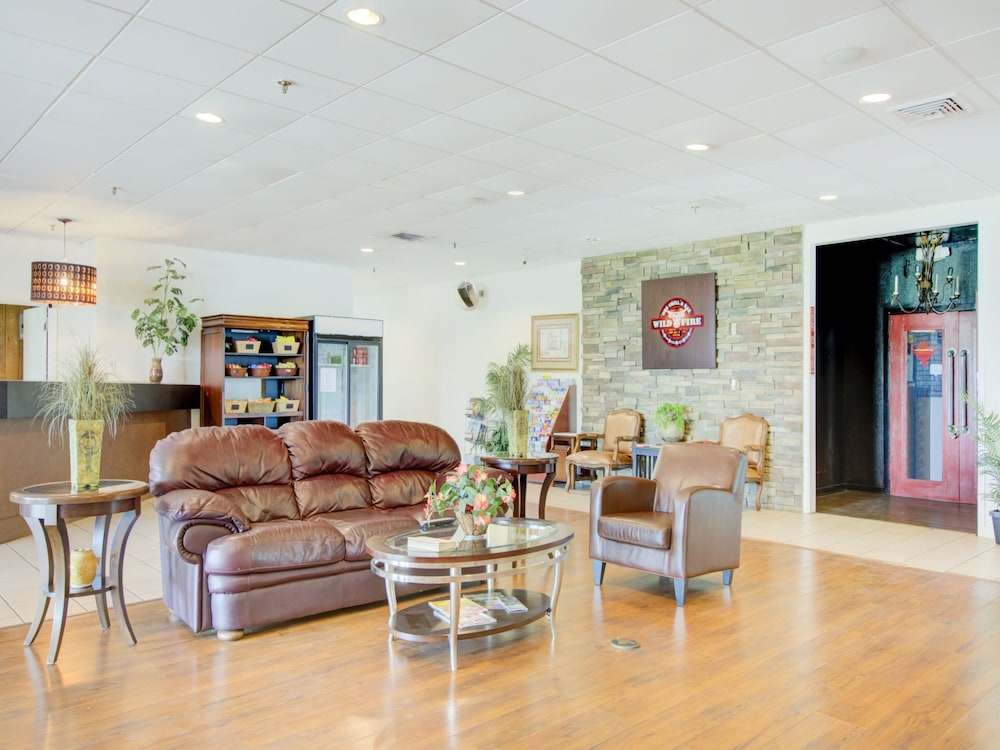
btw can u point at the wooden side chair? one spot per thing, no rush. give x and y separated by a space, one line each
614 449
747 433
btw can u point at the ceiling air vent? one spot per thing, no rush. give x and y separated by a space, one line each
409 236
932 109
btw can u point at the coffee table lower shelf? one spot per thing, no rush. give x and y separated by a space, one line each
419 623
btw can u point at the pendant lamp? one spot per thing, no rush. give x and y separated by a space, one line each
63 283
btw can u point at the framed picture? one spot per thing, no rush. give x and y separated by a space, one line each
555 342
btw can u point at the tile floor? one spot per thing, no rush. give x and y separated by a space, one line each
900 544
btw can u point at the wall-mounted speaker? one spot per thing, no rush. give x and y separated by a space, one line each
469 296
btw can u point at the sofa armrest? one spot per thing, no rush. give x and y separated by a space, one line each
201 505
621 495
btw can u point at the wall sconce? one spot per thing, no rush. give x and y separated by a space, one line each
929 299
63 283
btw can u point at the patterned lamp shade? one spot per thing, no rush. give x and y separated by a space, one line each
63 283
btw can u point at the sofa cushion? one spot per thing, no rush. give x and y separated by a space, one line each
645 529
329 466
357 527
275 545
404 458
247 464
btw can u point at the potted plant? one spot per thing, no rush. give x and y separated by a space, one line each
473 494
669 421
82 404
506 398
988 438
166 324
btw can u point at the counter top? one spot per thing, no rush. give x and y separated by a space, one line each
18 398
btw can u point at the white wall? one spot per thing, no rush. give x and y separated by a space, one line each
985 213
436 353
228 282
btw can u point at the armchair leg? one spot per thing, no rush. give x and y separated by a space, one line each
570 477
727 577
760 488
598 572
680 590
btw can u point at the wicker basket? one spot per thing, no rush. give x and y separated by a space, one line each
234 406
262 406
247 347
235 371
260 370
286 404
285 347
285 370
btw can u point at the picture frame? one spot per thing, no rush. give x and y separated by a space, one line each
555 342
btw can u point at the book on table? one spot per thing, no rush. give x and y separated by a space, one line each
470 613
429 543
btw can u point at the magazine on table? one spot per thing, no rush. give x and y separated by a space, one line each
499 601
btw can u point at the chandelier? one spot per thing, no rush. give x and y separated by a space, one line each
929 295
63 283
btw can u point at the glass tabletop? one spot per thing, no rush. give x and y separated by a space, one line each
503 535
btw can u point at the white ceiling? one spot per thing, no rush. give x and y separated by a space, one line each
423 123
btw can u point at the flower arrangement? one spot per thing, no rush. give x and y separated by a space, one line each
470 489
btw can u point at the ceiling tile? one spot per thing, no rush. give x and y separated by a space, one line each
765 22
50 64
325 135
434 84
914 77
650 110
569 169
229 21
141 88
712 130
400 154
834 131
739 81
85 27
260 80
977 55
756 150
424 25
83 109
514 153
877 35
240 113
506 49
338 51
445 132
142 170
369 110
511 111
188 132
461 169
955 19
790 108
629 152
163 50
584 82
24 95
575 133
595 23
676 48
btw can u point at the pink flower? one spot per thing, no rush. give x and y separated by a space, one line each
482 502
480 476
482 519
462 469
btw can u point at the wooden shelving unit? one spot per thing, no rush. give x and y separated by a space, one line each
219 334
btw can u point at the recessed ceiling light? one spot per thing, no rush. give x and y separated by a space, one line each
209 117
459 262
828 197
875 98
515 193
696 147
364 17
368 249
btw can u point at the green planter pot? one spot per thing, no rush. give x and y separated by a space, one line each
85 436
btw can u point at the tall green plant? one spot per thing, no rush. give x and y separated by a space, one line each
506 391
988 437
167 323
88 390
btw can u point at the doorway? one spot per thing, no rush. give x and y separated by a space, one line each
856 429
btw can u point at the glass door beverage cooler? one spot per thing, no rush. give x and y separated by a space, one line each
346 369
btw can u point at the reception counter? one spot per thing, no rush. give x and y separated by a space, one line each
26 458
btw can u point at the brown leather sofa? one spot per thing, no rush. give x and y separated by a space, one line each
260 526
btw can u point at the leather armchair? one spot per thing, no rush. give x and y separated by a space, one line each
621 430
747 433
684 522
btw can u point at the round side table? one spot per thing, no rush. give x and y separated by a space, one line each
521 467
45 508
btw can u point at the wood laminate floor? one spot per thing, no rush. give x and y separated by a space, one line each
807 648
917 512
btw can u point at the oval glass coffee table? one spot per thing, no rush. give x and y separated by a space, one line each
524 543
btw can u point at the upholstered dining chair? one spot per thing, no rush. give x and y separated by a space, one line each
684 522
747 433
614 448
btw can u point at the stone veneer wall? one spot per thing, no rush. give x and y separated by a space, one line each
759 345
